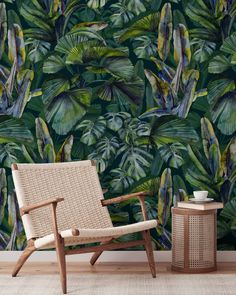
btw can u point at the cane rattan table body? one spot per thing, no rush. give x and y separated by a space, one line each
193 240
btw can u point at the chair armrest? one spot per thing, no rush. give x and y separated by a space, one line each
27 209
125 198
140 196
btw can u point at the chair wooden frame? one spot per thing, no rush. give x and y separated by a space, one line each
106 245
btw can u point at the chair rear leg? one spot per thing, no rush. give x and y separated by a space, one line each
149 251
30 248
96 255
60 248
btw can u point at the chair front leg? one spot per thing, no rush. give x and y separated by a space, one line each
30 248
96 255
149 251
60 249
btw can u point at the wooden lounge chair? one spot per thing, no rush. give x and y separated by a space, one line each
62 204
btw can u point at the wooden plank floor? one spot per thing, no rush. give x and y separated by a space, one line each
102 267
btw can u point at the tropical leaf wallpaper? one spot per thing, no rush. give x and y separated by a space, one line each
144 87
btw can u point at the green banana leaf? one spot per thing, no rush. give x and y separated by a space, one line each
44 141
16 45
53 64
223 229
229 210
53 87
190 80
95 25
145 25
126 93
86 52
35 15
9 85
201 182
151 185
24 80
3 28
160 88
219 64
228 159
64 153
164 31
202 16
229 44
12 130
164 197
217 88
3 194
67 108
197 162
208 137
66 43
168 129
224 112
10 153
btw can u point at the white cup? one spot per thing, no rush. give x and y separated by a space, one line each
200 195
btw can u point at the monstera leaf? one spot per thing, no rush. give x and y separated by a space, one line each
95 4
107 148
116 120
134 160
38 49
121 180
173 154
165 31
92 131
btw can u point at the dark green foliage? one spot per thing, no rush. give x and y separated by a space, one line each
145 88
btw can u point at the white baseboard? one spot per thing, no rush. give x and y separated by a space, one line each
107 256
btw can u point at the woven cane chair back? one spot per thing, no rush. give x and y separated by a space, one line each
76 182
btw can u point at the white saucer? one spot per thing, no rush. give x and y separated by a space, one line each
207 200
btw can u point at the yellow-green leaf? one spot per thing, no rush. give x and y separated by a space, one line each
44 141
64 154
3 28
16 45
165 31
182 51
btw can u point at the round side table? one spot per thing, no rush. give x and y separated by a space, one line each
193 240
